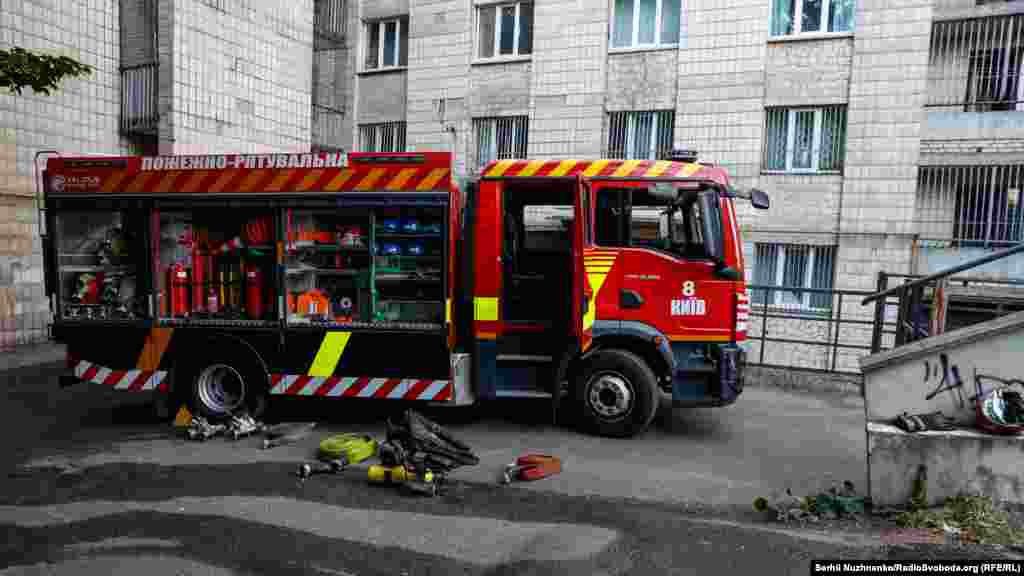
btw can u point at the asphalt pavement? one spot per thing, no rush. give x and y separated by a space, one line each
92 484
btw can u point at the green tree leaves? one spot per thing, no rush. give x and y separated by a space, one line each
20 68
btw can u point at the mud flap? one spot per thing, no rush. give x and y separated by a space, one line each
730 373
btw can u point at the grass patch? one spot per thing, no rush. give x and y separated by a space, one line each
976 517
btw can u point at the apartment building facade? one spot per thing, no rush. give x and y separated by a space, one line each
888 133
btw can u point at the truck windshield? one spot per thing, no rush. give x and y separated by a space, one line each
634 217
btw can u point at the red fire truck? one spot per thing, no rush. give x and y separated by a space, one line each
224 280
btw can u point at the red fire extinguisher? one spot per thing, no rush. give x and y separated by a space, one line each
198 280
179 290
254 292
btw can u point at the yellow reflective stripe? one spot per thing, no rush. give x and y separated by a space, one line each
501 167
309 179
448 310
432 179
563 168
596 281
370 180
626 168
114 180
330 352
339 180
658 169
485 309
279 181
399 181
250 181
595 168
532 167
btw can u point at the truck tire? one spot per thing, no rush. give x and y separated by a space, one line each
617 393
228 384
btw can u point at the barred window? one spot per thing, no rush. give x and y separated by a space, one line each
794 266
328 21
500 138
643 135
804 139
383 137
978 205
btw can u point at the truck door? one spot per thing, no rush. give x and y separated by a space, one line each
582 294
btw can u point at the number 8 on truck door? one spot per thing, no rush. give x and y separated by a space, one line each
689 305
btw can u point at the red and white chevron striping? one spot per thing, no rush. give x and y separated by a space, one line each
360 387
131 380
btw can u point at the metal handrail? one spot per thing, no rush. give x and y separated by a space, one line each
947 272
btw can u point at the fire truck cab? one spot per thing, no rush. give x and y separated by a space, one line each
618 280
220 281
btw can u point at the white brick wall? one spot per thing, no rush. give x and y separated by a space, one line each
241 78
81 118
568 81
440 47
721 83
642 80
808 72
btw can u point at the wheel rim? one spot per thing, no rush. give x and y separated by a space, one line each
610 396
221 388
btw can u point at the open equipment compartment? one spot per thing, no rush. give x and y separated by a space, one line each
214 262
100 251
366 262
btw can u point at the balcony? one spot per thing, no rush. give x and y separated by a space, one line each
964 212
329 19
974 79
139 116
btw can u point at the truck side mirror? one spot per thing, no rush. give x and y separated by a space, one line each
759 199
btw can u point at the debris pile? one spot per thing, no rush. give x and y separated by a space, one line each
836 502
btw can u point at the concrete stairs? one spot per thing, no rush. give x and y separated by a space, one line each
938 374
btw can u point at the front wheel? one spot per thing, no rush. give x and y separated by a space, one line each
617 393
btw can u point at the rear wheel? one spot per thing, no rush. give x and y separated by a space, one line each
617 393
223 387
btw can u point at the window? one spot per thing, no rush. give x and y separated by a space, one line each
987 205
328 21
630 217
505 30
387 44
794 266
640 135
500 138
994 80
803 16
645 23
805 139
384 137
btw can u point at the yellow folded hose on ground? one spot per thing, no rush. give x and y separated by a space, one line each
349 447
